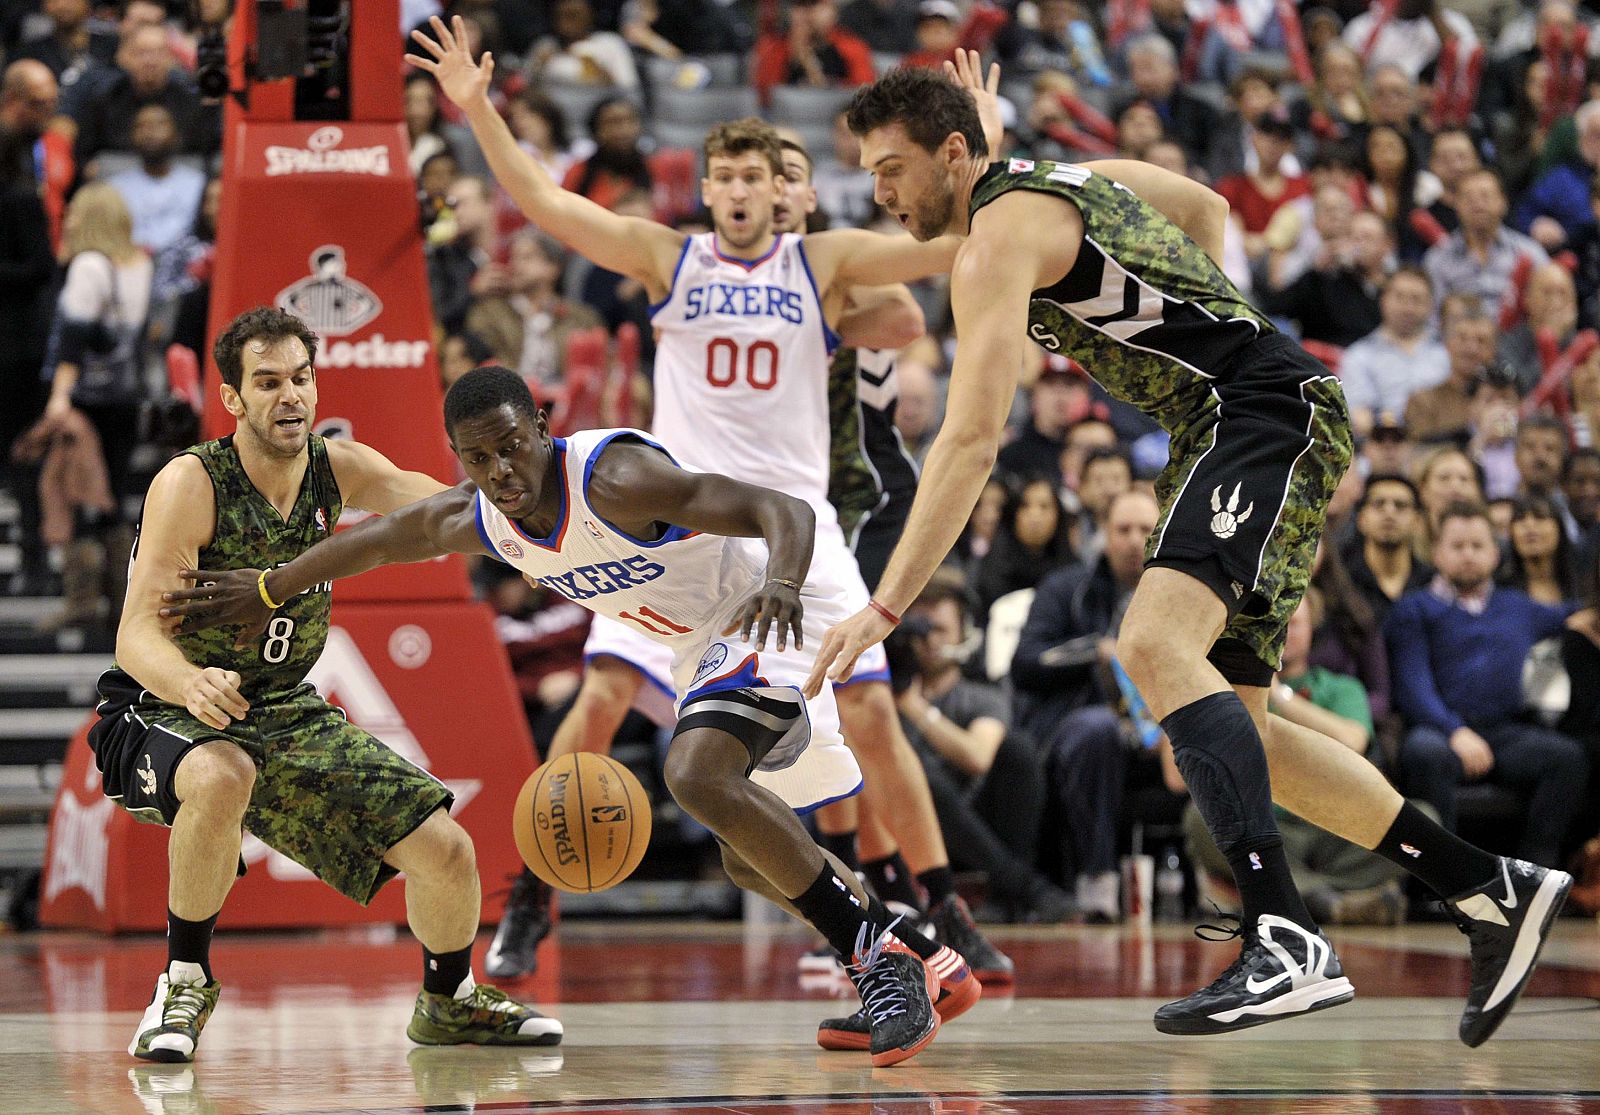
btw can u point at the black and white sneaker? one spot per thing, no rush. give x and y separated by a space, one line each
1506 922
525 922
897 991
1283 970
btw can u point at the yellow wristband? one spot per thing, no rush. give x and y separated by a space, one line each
261 587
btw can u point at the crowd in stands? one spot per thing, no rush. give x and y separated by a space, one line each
1414 195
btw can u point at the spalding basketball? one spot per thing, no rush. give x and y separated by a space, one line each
582 822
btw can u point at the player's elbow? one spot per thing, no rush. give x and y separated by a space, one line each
902 323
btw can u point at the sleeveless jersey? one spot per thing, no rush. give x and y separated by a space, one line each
740 373
870 471
1143 308
250 534
673 588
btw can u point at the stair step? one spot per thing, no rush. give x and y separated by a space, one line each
22 846
40 724
17 670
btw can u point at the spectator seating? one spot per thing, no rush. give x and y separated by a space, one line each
578 101
809 112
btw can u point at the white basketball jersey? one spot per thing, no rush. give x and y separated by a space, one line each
672 589
741 370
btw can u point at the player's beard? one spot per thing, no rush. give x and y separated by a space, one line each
272 439
932 217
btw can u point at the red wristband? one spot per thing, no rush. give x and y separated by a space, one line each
884 612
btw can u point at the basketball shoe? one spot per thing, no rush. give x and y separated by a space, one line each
487 1016
897 991
953 926
959 989
1506 922
1283 969
170 1028
526 921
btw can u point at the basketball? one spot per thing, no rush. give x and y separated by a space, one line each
582 822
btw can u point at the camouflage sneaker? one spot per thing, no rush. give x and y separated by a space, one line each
486 1017
170 1028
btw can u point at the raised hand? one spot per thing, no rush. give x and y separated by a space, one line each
967 72
447 59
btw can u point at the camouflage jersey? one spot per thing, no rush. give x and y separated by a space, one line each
1144 309
250 534
870 475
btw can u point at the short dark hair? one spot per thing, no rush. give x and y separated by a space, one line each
264 323
1104 453
947 583
1582 453
1408 271
1462 509
484 389
1539 420
926 103
1388 478
799 149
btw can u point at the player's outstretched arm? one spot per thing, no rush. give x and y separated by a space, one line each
441 524
631 246
1201 212
179 519
989 289
637 485
855 257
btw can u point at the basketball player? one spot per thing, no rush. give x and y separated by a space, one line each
608 519
1115 264
209 737
742 317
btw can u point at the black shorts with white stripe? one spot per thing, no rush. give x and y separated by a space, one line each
771 723
1245 492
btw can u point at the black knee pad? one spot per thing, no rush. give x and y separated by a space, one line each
1220 756
771 723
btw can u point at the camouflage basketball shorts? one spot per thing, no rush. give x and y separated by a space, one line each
1244 496
328 795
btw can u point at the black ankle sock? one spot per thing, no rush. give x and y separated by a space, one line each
903 930
1435 855
843 847
891 880
939 882
1266 886
837 914
442 972
189 942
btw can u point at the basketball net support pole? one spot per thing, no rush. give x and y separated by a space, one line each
320 216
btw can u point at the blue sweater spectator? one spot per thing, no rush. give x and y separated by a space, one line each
1562 192
1456 651
1453 667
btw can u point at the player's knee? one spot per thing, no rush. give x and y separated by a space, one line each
605 696
868 718
216 776
698 781
1140 651
449 851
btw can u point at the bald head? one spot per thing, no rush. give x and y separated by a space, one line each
27 97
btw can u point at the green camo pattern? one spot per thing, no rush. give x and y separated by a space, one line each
487 1017
328 795
852 487
1292 546
250 534
1152 249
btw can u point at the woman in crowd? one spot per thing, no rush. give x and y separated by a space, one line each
1033 538
1348 639
1445 476
1389 165
96 371
1539 560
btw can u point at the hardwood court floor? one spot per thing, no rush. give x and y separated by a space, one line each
713 1018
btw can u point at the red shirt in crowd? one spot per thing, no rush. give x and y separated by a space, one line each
1254 208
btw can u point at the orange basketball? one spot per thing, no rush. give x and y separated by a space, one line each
582 822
